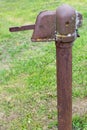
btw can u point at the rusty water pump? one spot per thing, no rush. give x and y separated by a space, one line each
60 26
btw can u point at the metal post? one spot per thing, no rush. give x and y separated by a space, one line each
66 34
64 85
60 26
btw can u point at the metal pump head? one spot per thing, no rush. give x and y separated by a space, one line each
45 26
61 24
57 25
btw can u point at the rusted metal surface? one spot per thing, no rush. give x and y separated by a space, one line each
64 85
48 26
66 20
66 24
22 28
79 19
45 26
66 27
60 26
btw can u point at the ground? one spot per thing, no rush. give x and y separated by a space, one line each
28 70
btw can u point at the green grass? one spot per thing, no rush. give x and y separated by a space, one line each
28 71
80 123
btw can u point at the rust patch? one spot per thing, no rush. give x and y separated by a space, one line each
45 26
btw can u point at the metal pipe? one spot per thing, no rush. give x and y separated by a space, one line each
64 85
60 26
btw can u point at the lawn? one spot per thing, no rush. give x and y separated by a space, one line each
28 70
